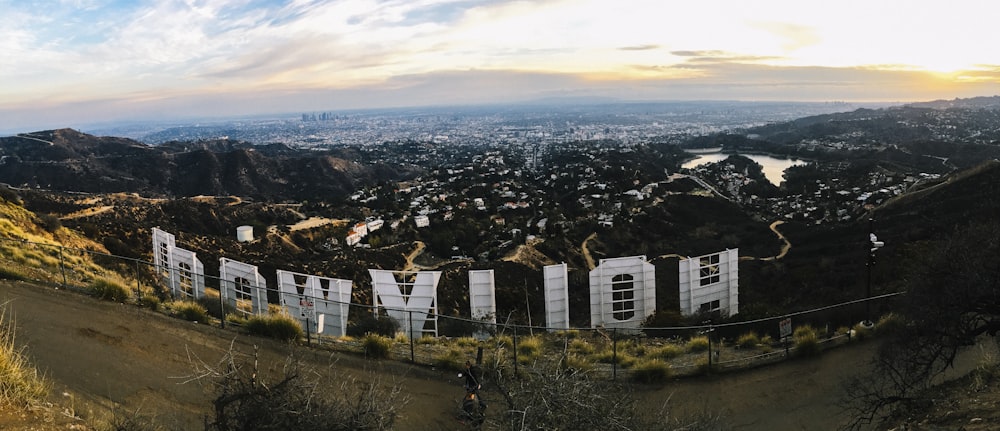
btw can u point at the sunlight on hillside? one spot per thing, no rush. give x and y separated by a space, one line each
38 247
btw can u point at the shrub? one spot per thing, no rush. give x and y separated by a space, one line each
467 342
427 341
529 349
187 310
501 341
651 371
806 341
151 302
697 344
581 346
377 346
748 340
214 306
609 357
568 333
666 351
889 323
50 222
452 359
132 420
247 397
12 274
576 363
381 325
280 326
108 290
237 319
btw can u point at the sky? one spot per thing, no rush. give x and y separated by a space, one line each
64 63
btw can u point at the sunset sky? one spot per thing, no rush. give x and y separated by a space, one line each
71 62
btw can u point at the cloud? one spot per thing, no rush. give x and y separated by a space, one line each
639 48
706 53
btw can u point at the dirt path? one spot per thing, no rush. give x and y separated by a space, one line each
103 353
586 252
410 266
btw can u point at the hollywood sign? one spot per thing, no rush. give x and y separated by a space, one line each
622 291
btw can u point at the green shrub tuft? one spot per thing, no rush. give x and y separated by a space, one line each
108 290
806 341
278 326
187 310
377 346
452 359
749 340
12 274
697 344
651 371
666 351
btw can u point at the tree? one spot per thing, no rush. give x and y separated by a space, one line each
251 398
549 395
952 299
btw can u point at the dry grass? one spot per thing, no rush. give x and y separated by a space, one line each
20 383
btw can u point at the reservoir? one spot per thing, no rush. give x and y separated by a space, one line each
773 166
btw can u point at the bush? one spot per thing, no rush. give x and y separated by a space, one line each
108 290
280 326
214 306
576 363
651 371
151 302
381 325
377 346
427 341
806 341
889 323
187 310
501 341
452 359
666 351
12 274
250 398
697 344
529 349
50 222
609 357
238 319
748 341
581 346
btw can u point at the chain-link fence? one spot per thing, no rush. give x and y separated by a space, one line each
331 321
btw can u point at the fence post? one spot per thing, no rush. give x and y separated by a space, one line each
138 285
222 304
413 358
614 354
62 265
515 351
308 323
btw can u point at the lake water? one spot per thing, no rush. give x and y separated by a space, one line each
773 166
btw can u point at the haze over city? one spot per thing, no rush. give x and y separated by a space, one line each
71 63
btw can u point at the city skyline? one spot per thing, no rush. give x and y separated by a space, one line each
78 62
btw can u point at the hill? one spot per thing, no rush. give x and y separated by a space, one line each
67 160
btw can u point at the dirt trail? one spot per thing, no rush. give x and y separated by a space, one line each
586 252
103 353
